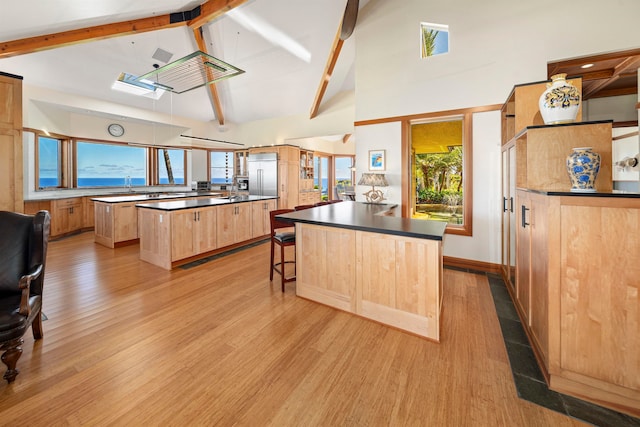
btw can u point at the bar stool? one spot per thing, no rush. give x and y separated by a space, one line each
282 239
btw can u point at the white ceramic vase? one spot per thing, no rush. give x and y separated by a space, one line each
560 102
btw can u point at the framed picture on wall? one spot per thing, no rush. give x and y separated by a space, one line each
376 160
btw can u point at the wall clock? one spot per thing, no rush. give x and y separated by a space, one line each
116 130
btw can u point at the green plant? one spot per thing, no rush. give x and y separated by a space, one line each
428 41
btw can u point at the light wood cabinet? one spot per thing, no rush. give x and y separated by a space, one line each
88 211
576 282
541 154
260 217
233 223
125 224
172 237
508 214
288 184
116 224
391 279
66 216
193 232
11 166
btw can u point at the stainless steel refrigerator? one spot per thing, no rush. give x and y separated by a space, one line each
263 174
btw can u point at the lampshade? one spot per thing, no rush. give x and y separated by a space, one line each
373 179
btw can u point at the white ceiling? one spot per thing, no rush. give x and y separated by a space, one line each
283 51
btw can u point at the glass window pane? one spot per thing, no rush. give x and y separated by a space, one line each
109 165
221 167
48 162
438 171
176 166
343 171
434 39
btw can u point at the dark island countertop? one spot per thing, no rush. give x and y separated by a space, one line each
375 218
176 205
612 193
125 198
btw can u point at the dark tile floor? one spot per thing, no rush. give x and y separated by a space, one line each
527 377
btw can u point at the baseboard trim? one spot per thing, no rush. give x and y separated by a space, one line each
470 264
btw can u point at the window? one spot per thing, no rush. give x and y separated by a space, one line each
221 167
321 175
49 163
110 165
440 187
434 39
344 170
171 166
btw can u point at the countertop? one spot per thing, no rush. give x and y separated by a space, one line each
367 217
612 193
153 196
176 205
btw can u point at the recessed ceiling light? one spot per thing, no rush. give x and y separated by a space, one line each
587 66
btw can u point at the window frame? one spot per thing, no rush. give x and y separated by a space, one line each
61 163
466 229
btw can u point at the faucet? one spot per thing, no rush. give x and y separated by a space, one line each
128 183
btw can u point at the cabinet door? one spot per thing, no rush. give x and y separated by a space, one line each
539 278
523 262
257 219
76 217
103 221
88 213
182 241
205 231
126 222
243 222
225 225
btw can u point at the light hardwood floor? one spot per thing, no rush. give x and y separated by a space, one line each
128 343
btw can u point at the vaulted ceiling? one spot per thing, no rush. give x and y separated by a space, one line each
80 47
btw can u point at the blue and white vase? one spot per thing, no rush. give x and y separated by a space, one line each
560 102
583 166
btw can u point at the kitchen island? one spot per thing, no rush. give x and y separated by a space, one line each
116 217
364 259
175 232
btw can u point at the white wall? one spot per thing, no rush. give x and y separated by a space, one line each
493 46
385 136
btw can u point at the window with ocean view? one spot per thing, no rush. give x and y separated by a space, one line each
110 165
49 162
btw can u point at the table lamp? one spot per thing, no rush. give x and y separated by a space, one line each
373 179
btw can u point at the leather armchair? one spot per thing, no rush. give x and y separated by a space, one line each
23 252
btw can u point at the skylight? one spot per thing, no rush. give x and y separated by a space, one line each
128 83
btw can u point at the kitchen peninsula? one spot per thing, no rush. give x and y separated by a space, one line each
175 232
363 259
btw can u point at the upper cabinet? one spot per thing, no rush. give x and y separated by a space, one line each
306 169
11 198
521 108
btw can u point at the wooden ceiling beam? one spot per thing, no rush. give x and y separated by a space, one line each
617 73
213 9
83 35
213 90
328 70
